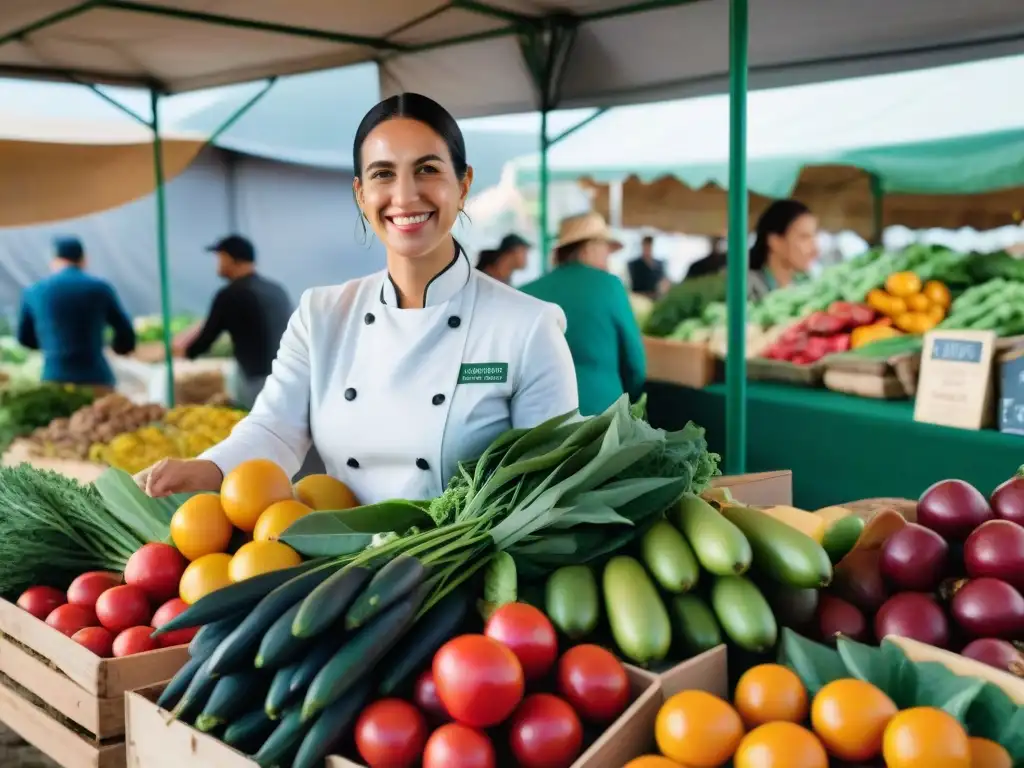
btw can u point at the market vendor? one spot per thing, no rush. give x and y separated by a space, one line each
603 335
398 376
785 247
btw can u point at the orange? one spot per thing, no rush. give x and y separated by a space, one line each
769 693
850 717
204 575
984 754
698 729
780 745
324 493
276 519
652 761
925 737
250 488
258 557
200 527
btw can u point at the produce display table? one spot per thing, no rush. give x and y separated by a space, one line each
841 447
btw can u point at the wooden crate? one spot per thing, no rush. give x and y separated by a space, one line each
64 700
156 741
767 369
689 364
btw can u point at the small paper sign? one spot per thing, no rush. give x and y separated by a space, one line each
955 384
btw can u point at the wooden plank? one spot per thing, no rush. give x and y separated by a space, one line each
118 676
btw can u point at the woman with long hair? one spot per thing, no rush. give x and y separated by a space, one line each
785 246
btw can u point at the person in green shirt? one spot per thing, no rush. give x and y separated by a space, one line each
602 332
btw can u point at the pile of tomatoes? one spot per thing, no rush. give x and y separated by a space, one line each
507 691
114 615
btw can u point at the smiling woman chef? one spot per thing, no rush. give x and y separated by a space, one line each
397 376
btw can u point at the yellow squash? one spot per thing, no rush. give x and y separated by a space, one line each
808 523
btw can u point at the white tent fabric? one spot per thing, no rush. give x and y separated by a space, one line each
467 54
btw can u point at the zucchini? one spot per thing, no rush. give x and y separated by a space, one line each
359 655
286 736
316 660
179 683
280 693
720 547
390 584
239 598
669 558
695 627
191 702
279 646
330 727
248 732
211 635
328 602
229 697
744 613
572 602
842 536
414 652
638 619
239 648
780 551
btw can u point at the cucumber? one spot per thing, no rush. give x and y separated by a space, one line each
310 666
359 655
572 602
286 736
780 551
179 683
842 536
638 619
239 598
720 547
279 646
695 627
669 558
279 695
229 698
328 602
743 613
248 732
211 635
414 652
239 648
330 727
389 585
199 687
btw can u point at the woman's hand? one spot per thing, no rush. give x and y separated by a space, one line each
179 476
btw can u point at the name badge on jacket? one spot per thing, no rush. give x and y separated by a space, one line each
483 373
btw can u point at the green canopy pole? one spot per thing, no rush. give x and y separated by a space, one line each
736 291
877 210
161 242
545 259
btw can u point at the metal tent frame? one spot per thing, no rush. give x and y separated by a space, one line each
545 44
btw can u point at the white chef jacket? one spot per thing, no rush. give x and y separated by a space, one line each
394 398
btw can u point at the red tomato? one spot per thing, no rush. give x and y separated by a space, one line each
391 733
40 601
87 588
528 633
97 639
123 607
478 679
68 619
594 682
545 733
458 746
425 696
165 613
156 569
134 640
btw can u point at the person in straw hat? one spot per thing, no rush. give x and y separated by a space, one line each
602 332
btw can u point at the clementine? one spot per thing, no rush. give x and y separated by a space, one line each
850 717
780 745
698 729
769 693
925 737
250 488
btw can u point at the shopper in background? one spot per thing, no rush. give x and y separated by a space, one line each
252 310
646 273
785 247
66 316
603 335
505 260
714 262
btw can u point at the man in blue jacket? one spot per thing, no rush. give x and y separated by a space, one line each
66 315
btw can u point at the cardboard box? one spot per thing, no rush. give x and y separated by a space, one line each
52 689
689 364
155 741
759 489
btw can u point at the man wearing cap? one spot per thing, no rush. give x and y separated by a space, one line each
252 310
66 315
504 261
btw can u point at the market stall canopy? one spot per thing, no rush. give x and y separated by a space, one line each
51 170
467 53
944 146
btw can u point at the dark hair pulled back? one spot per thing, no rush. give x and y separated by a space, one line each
422 109
776 220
